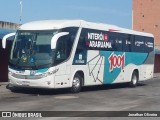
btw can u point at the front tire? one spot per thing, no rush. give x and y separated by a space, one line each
134 79
76 84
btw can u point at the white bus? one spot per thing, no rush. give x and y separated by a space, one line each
76 53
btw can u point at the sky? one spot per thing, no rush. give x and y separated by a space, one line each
116 12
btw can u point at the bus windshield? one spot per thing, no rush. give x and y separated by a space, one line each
32 50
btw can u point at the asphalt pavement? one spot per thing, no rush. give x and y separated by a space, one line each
118 97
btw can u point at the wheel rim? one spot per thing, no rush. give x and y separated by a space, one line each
76 83
134 80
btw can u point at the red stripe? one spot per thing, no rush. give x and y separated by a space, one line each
113 30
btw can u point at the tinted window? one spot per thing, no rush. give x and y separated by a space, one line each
138 44
80 57
126 40
97 39
113 41
64 45
149 44
118 42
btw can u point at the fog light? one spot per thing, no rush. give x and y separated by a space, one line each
48 82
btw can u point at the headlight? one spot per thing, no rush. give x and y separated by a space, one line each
48 73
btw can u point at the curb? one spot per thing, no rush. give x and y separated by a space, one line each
156 75
4 83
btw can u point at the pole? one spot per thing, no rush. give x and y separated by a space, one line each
20 11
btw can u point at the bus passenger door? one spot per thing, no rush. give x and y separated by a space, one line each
61 56
61 80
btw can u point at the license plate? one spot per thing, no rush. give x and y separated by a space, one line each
25 83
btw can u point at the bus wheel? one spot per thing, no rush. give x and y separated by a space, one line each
76 84
134 79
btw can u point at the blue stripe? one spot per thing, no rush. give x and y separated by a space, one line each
130 58
42 70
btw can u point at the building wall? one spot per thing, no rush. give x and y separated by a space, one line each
146 17
8 25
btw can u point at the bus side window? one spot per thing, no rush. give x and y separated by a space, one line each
117 45
81 45
62 49
113 40
127 42
80 57
149 44
139 43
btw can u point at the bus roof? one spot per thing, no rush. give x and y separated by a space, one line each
58 24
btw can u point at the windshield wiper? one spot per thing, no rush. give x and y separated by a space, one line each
46 65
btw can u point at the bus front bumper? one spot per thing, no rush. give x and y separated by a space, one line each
46 82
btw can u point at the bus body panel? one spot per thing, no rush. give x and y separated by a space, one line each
105 54
95 68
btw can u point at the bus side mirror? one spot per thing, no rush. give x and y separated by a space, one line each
56 37
5 39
